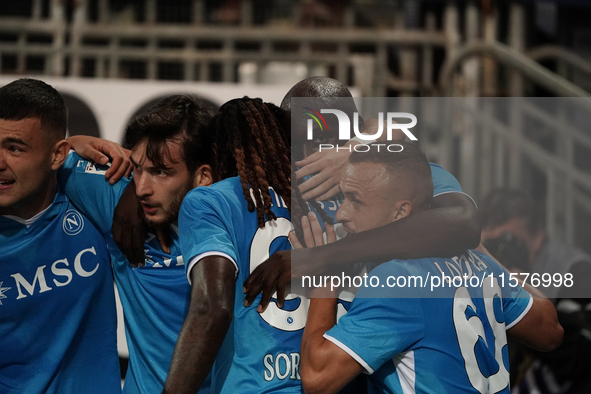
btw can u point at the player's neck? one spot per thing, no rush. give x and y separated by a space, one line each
36 204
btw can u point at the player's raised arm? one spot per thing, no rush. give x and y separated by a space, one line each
102 152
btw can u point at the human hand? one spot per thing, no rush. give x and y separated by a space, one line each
313 234
326 165
99 151
274 274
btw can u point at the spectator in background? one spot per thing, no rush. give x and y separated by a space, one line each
513 231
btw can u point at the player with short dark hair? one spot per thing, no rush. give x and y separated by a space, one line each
170 155
58 326
415 338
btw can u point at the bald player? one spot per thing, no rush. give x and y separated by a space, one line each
411 338
451 224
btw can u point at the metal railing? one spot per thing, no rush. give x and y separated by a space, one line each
506 156
203 52
565 59
508 56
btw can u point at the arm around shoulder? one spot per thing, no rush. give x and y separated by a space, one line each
462 218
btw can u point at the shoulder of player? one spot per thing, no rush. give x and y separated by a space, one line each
224 192
227 184
433 165
393 267
221 188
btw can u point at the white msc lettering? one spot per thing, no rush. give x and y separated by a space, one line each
282 366
62 272
39 277
78 264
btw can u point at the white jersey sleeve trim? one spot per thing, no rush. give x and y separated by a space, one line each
368 370
201 256
453 191
527 308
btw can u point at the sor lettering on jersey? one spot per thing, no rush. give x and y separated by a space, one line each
61 272
73 222
282 366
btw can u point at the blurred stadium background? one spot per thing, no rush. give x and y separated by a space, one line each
112 59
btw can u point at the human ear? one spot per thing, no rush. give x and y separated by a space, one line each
203 176
59 152
402 210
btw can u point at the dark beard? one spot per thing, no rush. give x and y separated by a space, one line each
173 214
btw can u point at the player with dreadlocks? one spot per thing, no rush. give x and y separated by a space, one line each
267 151
226 230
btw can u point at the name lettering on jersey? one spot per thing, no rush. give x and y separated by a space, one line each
276 199
282 366
178 260
464 265
73 222
60 271
151 261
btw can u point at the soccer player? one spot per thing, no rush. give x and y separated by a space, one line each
414 338
170 156
226 230
58 325
450 225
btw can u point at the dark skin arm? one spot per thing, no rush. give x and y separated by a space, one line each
205 327
452 224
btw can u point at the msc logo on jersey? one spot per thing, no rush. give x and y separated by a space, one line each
73 222
2 290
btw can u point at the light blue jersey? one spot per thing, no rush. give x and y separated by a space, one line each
449 339
443 181
57 305
155 297
216 221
